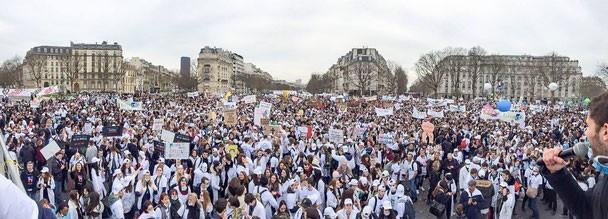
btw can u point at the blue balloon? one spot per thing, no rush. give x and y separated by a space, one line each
503 105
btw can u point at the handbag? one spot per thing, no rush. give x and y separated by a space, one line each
532 192
437 208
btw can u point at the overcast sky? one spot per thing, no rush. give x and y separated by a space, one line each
292 39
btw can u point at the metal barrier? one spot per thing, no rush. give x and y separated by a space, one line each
8 166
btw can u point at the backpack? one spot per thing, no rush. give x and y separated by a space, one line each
463 144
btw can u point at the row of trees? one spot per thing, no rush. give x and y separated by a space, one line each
361 75
434 67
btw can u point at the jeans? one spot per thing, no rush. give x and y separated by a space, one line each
33 195
532 204
412 186
58 190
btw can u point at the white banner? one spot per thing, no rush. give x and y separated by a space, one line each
457 108
372 98
336 136
193 94
129 104
384 112
35 103
177 150
249 99
167 136
418 114
48 91
434 114
157 125
302 131
23 93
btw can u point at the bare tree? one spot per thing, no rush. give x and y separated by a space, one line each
36 64
401 78
105 70
432 68
592 86
73 66
495 68
121 73
602 71
10 72
555 70
391 84
475 58
361 75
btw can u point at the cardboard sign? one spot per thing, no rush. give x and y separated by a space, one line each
80 141
358 132
157 125
386 139
50 149
112 131
230 117
303 131
336 136
177 151
179 137
212 116
342 107
193 94
167 136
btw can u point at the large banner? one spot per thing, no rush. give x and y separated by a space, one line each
80 141
177 150
129 104
434 114
48 91
384 112
489 113
192 94
418 114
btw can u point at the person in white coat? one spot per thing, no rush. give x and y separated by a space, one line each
162 209
160 182
115 201
46 186
257 206
465 175
348 212
98 177
145 189
505 202
267 199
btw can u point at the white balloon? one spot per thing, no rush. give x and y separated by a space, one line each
553 86
487 86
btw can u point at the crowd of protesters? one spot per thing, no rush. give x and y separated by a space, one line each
468 168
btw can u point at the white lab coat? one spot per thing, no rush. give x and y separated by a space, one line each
268 200
259 210
342 214
506 212
50 186
161 185
141 189
98 183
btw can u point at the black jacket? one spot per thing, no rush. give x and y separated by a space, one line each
590 204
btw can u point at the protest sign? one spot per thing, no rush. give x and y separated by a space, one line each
386 139
249 99
179 137
159 147
112 131
435 114
167 136
50 149
157 125
418 114
427 131
342 107
336 136
177 151
384 112
192 94
230 117
232 150
80 141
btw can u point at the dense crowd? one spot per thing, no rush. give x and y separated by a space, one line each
470 166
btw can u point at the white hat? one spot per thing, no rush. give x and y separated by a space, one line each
353 182
467 161
348 201
385 173
387 205
376 183
329 212
363 180
300 169
366 212
258 171
147 172
535 169
345 148
314 197
503 184
44 170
